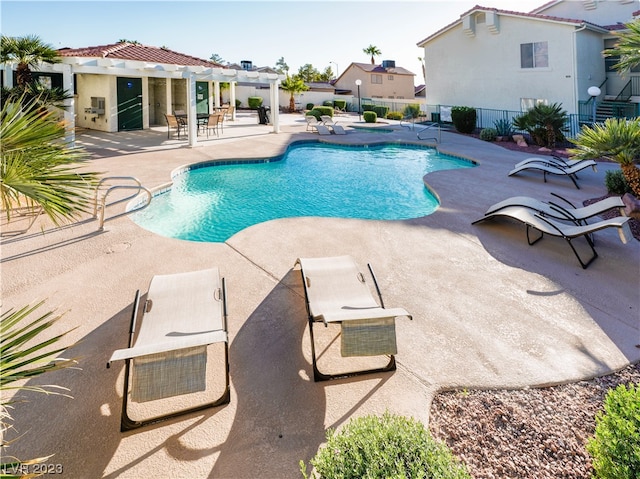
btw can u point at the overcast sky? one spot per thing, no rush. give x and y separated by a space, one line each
323 33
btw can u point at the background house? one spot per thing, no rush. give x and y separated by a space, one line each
378 81
498 59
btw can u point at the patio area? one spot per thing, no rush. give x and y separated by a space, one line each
489 311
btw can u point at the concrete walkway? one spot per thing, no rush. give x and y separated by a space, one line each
489 310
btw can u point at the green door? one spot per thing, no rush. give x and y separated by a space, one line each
129 104
202 97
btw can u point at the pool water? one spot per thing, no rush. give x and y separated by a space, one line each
383 182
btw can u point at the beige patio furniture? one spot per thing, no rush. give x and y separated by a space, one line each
337 292
174 124
213 123
167 354
547 168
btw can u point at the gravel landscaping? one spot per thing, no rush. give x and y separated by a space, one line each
525 434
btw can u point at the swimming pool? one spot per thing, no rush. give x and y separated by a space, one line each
211 202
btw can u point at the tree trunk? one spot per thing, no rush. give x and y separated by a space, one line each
632 175
23 75
292 104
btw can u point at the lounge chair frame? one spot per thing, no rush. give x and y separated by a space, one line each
319 375
126 423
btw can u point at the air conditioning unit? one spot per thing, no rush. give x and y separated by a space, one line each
97 105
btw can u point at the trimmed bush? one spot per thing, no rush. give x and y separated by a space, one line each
381 111
390 446
315 113
463 118
324 110
340 104
395 115
238 103
309 106
616 183
254 102
616 446
328 103
488 134
370 116
368 107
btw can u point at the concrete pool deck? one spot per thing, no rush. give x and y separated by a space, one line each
489 311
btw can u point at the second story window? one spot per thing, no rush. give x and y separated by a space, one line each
534 55
389 77
376 79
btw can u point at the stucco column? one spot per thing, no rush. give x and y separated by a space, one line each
168 97
192 117
69 106
275 106
216 93
232 98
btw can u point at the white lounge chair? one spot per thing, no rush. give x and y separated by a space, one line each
317 126
333 125
552 160
167 353
337 292
566 231
554 210
555 170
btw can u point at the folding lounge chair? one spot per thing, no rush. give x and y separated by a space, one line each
553 161
554 210
336 292
563 230
555 170
328 122
167 355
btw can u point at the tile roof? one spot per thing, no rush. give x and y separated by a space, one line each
135 51
368 67
534 16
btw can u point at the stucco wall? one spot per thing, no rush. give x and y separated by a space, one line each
96 86
600 12
400 86
484 70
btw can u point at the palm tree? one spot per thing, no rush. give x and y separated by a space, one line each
617 139
293 85
627 48
27 52
24 355
373 51
37 168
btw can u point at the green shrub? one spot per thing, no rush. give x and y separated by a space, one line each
503 127
381 111
616 183
340 104
390 446
368 107
488 134
545 124
238 103
615 448
309 106
324 110
328 103
315 113
254 102
412 110
370 116
395 115
463 118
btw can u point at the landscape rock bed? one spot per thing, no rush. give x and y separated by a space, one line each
525 434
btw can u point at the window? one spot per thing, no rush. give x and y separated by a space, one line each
481 18
609 62
534 55
390 77
527 104
376 79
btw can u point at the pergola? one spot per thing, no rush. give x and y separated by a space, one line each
70 66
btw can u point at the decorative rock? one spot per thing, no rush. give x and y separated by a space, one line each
519 139
544 149
632 205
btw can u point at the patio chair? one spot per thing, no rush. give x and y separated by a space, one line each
555 170
336 292
553 160
174 124
566 231
312 122
213 123
167 355
554 210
